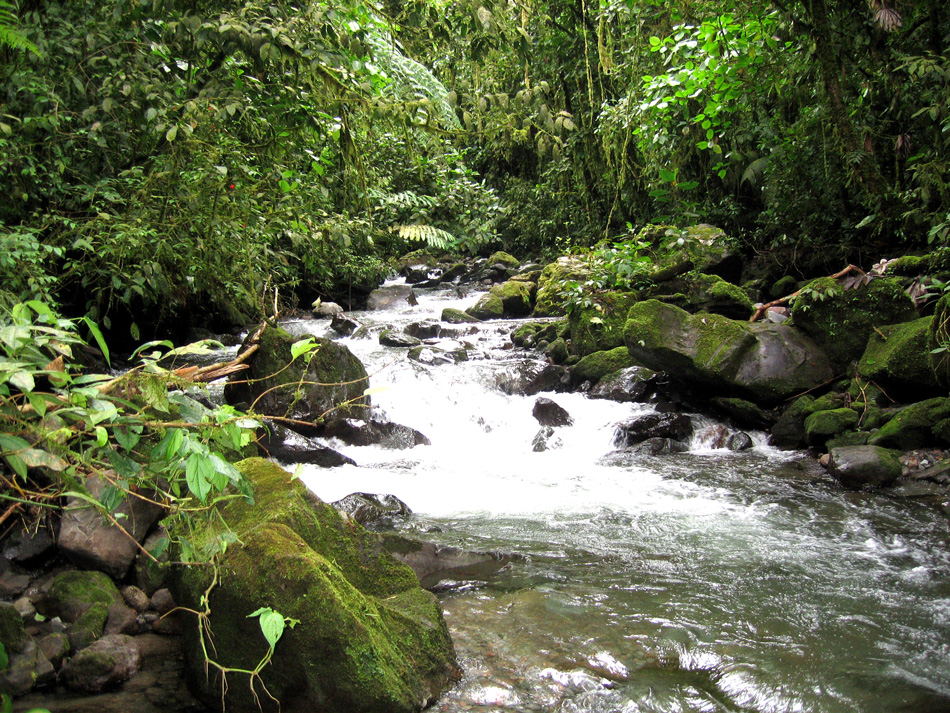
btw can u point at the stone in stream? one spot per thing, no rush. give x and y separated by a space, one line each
546 439
344 324
864 466
531 377
373 433
392 338
676 426
372 511
107 663
550 413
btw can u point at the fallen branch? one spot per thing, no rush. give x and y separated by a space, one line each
788 298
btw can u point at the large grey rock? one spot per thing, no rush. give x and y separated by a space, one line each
676 426
433 563
91 541
550 413
530 377
26 544
107 663
374 433
385 297
761 361
635 383
369 509
864 466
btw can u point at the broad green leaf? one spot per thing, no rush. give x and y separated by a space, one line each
38 458
172 133
97 335
23 380
302 347
272 624
198 474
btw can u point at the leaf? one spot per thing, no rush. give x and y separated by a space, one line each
272 624
100 340
171 133
38 458
302 347
23 380
198 473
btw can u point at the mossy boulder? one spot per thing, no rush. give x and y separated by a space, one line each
760 361
594 367
489 306
530 334
707 293
788 431
938 342
13 634
501 257
862 466
841 321
916 426
557 351
551 300
508 299
369 638
83 599
451 315
701 248
823 425
600 327
306 389
897 358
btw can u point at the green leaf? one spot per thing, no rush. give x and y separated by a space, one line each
198 474
97 335
272 624
171 133
38 458
302 347
23 380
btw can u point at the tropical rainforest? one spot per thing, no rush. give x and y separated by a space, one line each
169 164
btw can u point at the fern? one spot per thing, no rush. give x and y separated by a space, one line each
434 237
406 199
9 36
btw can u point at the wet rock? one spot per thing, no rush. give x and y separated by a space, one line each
432 563
74 592
327 309
13 584
740 442
90 541
545 439
821 426
550 413
25 607
370 433
509 299
924 423
392 338
429 329
162 601
743 413
531 377
149 575
121 619
864 466
433 356
415 273
25 669
107 663
676 426
451 315
25 545
55 648
385 297
372 510
344 324
597 365
633 384
657 446
789 429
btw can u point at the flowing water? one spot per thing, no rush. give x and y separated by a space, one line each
702 581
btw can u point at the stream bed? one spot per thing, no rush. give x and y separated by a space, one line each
709 580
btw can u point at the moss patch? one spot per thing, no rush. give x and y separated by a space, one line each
594 330
596 366
550 300
913 426
898 358
504 258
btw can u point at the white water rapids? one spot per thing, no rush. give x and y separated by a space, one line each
703 581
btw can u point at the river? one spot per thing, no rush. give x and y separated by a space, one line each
704 581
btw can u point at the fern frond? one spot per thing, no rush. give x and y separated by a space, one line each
406 199
434 237
9 36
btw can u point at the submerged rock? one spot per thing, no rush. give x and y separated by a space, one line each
432 562
107 663
676 426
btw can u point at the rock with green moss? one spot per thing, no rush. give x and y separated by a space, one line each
742 412
701 248
788 431
557 351
897 358
530 334
783 287
450 315
707 293
841 321
26 665
935 264
501 257
305 389
552 300
915 426
13 634
938 342
368 637
83 599
760 361
600 327
823 425
864 466
508 299
594 367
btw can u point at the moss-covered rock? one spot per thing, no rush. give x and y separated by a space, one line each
841 321
488 306
914 426
551 300
74 592
504 258
508 299
368 638
594 367
897 357
822 425
557 351
13 634
707 293
307 388
864 466
701 248
759 361
599 328
744 413
451 315
789 429
938 342
783 286
936 263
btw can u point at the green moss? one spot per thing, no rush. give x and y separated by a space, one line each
88 628
783 286
850 438
13 634
557 352
938 342
594 367
551 300
822 425
913 426
503 258
841 321
516 297
451 315
489 306
73 592
898 358
594 330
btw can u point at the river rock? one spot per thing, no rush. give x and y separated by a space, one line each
150 576
740 441
90 541
27 544
530 377
864 466
509 299
429 329
676 426
925 423
107 663
372 510
550 413
25 669
368 637
658 446
327 309
285 445
432 563
135 597
633 384
374 433
599 326
392 338
85 600
760 361
415 274
546 439
821 426
788 431
344 325
450 315
333 379
12 584
597 365
388 296
897 359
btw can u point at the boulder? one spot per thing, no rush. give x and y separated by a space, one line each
26 665
429 329
503 258
740 441
921 424
432 562
489 306
546 439
367 637
676 426
788 431
897 359
385 297
85 600
635 383
392 338
864 466
331 379
450 315
557 351
104 665
91 541
278 443
657 446
938 342
530 377
820 426
150 575
371 510
701 248
761 361
327 309
597 365
509 299
531 334
599 327
344 325
707 293
841 321
742 412
549 413
551 299
434 356
373 433
26 544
